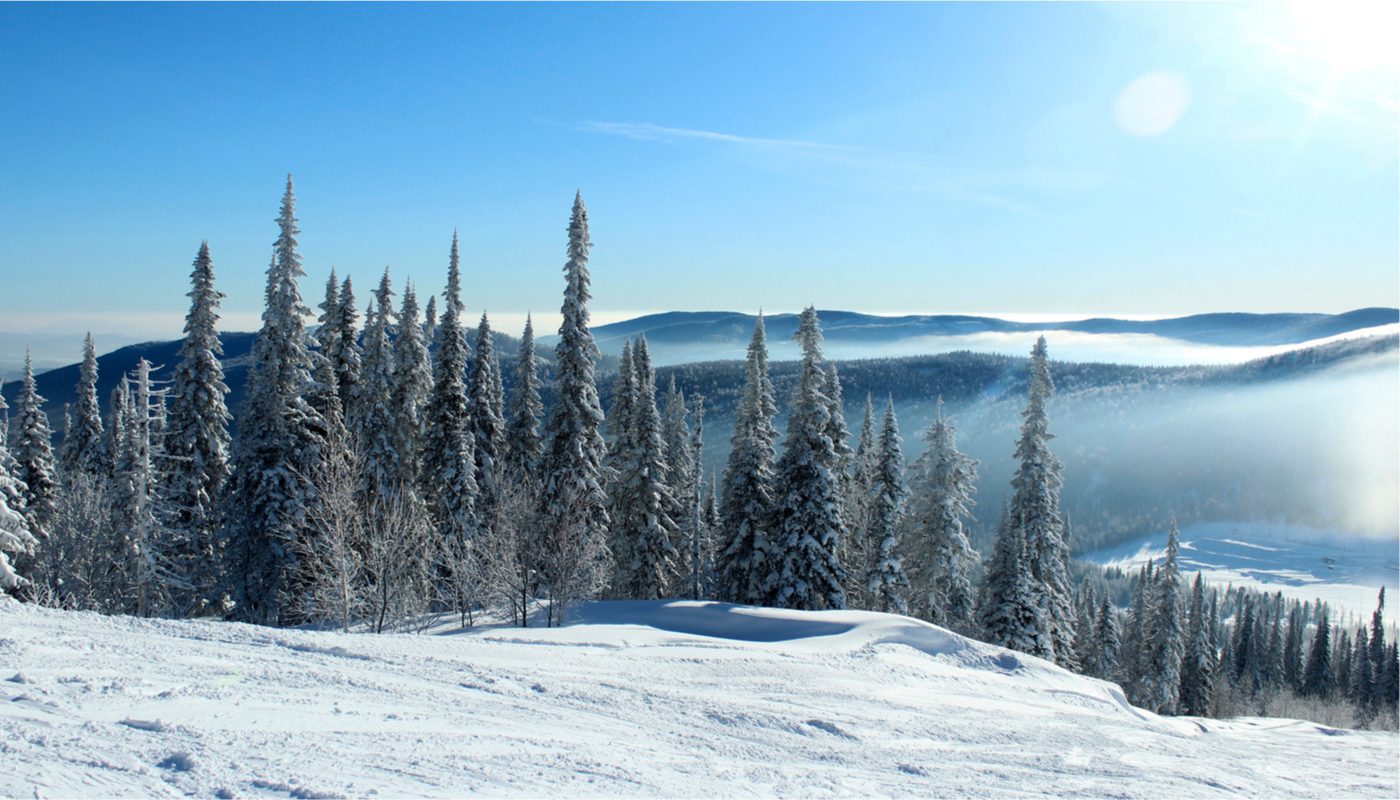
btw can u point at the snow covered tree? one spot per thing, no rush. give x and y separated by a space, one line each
1198 664
84 444
524 447
621 445
346 363
413 381
277 448
886 582
31 446
1013 604
1161 679
643 521
746 549
196 445
147 556
808 528
1359 680
697 525
1293 651
1035 505
1107 647
375 419
680 476
15 538
574 554
940 553
328 331
488 422
1376 654
857 552
449 452
1317 674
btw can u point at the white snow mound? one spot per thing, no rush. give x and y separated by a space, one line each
639 699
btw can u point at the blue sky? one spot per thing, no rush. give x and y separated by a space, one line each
1015 158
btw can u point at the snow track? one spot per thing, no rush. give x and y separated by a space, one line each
674 699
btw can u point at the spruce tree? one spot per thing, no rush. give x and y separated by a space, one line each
858 550
277 448
1376 654
31 446
940 553
575 558
524 446
15 537
746 547
488 422
375 419
680 472
1107 646
197 444
1317 674
1167 644
1035 505
413 381
347 354
329 336
1013 607
1198 664
808 528
644 520
1293 650
697 524
84 444
1360 678
621 439
886 582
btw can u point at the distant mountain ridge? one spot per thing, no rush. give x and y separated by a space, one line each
1234 329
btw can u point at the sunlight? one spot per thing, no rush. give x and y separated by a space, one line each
1348 36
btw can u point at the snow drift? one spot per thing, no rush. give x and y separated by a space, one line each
636 698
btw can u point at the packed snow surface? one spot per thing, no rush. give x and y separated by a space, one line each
674 699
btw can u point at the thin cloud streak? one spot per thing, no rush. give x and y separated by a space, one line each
648 132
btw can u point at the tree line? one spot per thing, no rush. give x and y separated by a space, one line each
382 476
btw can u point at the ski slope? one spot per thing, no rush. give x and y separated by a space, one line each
636 699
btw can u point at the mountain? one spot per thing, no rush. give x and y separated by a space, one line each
680 336
660 699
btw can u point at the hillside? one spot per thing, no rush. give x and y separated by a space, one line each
635 699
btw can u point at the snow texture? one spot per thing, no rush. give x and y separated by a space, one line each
634 699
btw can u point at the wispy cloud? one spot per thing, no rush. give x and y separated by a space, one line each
646 131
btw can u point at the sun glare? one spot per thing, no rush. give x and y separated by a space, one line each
1349 36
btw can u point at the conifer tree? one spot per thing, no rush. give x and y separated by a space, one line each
1035 505
1198 664
808 528
347 354
746 548
621 438
1360 678
1167 643
376 420
886 582
676 450
488 422
575 558
697 526
1013 606
196 444
15 538
1376 654
277 448
524 446
84 445
644 522
329 336
1317 674
147 556
31 446
413 381
940 553
1107 646
1293 651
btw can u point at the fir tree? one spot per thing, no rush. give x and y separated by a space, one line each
524 446
375 419
858 551
1167 644
1360 678
487 414
941 554
277 448
329 336
197 443
147 546
31 446
1035 505
1198 664
697 523
15 537
680 474
1013 608
347 354
1376 654
84 445
644 522
808 528
575 554
1317 674
1107 646
746 547
1293 651
886 581
413 381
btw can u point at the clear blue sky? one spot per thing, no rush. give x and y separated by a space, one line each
1038 158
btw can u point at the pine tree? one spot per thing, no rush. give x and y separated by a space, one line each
808 528
84 445
1317 675
413 381
746 546
575 558
375 419
277 447
197 444
488 422
1198 664
941 555
886 582
31 446
524 447
1035 505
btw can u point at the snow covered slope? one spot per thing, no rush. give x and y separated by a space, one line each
677 699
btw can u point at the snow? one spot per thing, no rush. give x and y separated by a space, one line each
635 698
1343 569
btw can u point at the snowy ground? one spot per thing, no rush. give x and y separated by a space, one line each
1345 570
677 699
